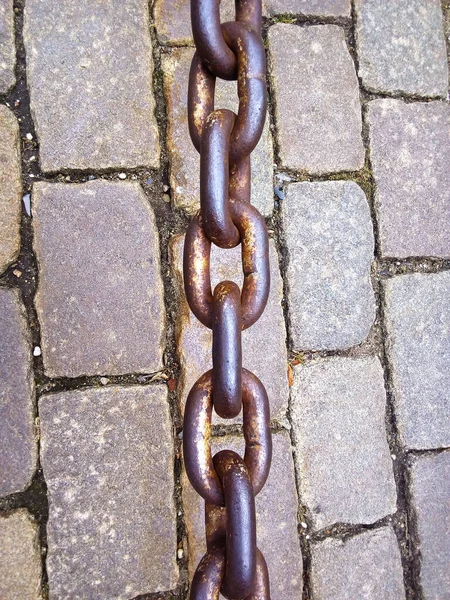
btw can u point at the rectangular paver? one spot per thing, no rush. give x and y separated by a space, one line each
401 46
317 108
18 448
430 476
313 8
418 346
364 567
89 68
184 158
345 469
100 297
410 154
7 46
276 513
107 458
329 238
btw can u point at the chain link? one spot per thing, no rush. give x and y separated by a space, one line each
232 565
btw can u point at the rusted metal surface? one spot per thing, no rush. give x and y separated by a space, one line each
232 566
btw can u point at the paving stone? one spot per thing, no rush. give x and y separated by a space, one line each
314 8
7 46
100 295
10 188
90 97
401 47
194 341
329 236
410 154
431 500
18 450
276 513
317 108
184 158
418 347
20 557
345 469
367 566
107 458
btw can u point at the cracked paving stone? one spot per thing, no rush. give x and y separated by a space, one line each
7 46
367 566
343 459
20 557
91 99
401 47
10 188
418 348
184 158
18 449
276 515
430 493
194 341
330 245
100 294
313 8
317 108
107 459
410 154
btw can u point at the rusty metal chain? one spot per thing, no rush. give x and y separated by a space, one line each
232 566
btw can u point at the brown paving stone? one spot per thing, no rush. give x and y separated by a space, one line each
7 46
107 458
10 188
100 296
264 346
317 107
314 8
20 557
276 513
184 158
18 449
89 68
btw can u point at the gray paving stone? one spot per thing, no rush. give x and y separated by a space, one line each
276 513
329 237
194 341
107 458
418 346
410 154
10 188
320 8
367 566
184 158
7 46
20 557
100 296
91 97
18 449
317 108
431 500
401 47
342 455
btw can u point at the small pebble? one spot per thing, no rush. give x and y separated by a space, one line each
304 525
37 351
29 136
180 553
393 457
122 175
149 181
27 204
68 178
32 158
17 273
166 198
104 380
279 192
91 177
166 188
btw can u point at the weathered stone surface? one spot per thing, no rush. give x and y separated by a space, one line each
431 500
18 450
401 46
366 566
100 297
342 455
321 8
410 154
107 458
20 557
276 513
89 67
329 236
7 46
418 346
317 109
264 344
184 158
10 188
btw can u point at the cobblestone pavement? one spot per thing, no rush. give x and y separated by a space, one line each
98 350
